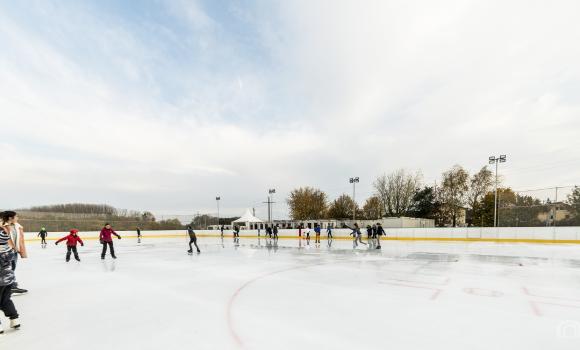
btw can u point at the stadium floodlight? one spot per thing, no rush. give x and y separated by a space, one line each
354 181
270 202
217 199
496 160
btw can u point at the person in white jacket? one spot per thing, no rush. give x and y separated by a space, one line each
10 219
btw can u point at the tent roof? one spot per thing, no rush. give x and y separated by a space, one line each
248 217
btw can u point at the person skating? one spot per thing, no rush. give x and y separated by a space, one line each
42 234
222 231
106 238
7 278
71 244
236 233
138 234
369 232
269 231
192 239
374 231
307 234
329 231
380 232
16 232
275 231
317 231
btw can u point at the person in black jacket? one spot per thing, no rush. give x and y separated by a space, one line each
275 230
369 232
192 239
380 232
42 234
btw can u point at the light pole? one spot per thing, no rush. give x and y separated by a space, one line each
217 199
353 181
496 160
271 192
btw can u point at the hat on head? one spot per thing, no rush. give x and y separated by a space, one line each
74 230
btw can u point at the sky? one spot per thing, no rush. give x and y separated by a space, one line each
164 105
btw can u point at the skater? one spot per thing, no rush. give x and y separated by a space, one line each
107 240
357 236
380 232
222 230
275 230
300 231
317 231
369 232
236 231
192 239
307 234
71 244
16 232
138 234
42 234
329 231
269 231
7 278
374 231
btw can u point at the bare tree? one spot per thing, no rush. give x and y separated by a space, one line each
396 191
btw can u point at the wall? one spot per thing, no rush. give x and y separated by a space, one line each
508 234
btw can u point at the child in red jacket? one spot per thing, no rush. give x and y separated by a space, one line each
71 244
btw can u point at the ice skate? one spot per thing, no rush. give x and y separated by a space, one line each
15 323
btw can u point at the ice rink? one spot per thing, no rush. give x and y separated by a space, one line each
261 294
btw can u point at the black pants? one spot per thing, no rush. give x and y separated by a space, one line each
194 241
70 249
104 252
6 304
43 240
236 234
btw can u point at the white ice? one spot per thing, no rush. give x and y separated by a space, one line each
258 295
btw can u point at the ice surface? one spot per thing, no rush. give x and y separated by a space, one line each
289 295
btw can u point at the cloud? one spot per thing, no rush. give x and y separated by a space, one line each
165 111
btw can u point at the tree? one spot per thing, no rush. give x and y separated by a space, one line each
307 203
396 191
425 203
372 209
453 192
480 184
574 201
341 208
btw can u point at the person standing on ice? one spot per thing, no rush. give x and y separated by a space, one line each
71 244
317 231
106 238
42 234
222 230
369 232
7 278
329 231
16 232
192 239
380 232
269 231
236 231
275 230
138 234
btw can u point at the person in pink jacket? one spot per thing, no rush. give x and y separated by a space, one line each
106 238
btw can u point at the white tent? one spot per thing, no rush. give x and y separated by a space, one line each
247 219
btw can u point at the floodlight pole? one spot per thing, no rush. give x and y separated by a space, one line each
501 159
217 199
353 181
